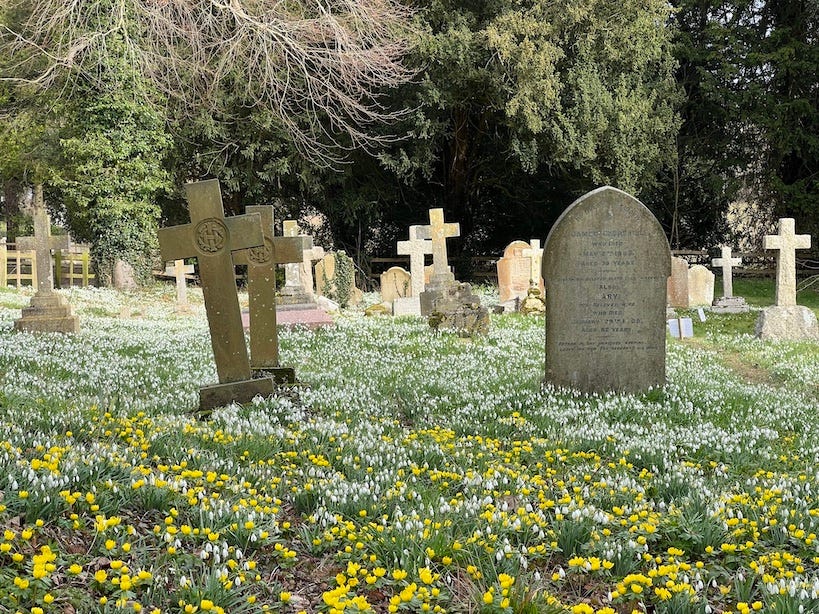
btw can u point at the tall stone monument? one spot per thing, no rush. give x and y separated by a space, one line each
48 311
728 303
261 288
605 264
211 238
786 319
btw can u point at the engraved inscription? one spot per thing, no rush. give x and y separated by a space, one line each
211 236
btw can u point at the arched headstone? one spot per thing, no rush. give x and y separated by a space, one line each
605 264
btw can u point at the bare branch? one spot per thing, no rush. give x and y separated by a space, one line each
318 65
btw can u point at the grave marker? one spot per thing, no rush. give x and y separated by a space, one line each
48 311
179 270
395 284
535 253
728 303
210 238
514 272
700 286
605 264
261 264
786 319
416 248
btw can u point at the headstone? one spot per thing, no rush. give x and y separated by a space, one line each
179 270
395 283
210 238
416 248
311 255
677 287
700 286
786 319
535 254
123 276
605 264
295 292
332 283
728 303
48 310
261 288
514 272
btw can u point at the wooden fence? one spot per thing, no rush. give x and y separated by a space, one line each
19 268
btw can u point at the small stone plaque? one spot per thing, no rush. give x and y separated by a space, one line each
605 264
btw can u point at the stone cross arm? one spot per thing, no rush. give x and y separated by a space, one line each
29 243
283 250
191 240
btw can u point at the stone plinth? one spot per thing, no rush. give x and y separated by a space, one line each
730 304
240 392
458 309
787 323
48 313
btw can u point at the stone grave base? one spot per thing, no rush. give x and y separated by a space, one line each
48 313
311 317
794 323
457 308
730 304
240 392
296 300
406 306
533 304
280 375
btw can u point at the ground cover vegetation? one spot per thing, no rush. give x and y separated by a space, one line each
500 112
414 471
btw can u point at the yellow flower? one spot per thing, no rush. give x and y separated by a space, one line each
206 604
488 597
284 596
100 576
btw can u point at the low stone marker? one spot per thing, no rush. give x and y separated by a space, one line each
786 319
514 272
677 286
210 238
700 286
261 288
605 265
179 270
48 311
728 303
335 279
396 282
296 292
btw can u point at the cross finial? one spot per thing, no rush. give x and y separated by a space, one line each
535 254
787 242
439 231
727 263
416 248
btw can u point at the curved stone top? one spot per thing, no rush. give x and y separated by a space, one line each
600 214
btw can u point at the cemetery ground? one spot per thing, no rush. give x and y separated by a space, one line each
415 471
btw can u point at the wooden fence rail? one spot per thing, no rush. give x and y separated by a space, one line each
19 268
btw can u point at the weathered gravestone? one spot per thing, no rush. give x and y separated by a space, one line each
605 264
395 283
261 264
48 311
514 272
296 292
677 285
210 238
700 286
786 319
728 303
335 279
179 270
417 249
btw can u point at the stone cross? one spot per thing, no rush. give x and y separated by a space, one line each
179 270
42 243
292 270
787 242
210 238
312 254
439 232
416 248
535 252
727 263
261 287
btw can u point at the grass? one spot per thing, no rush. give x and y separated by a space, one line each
411 472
